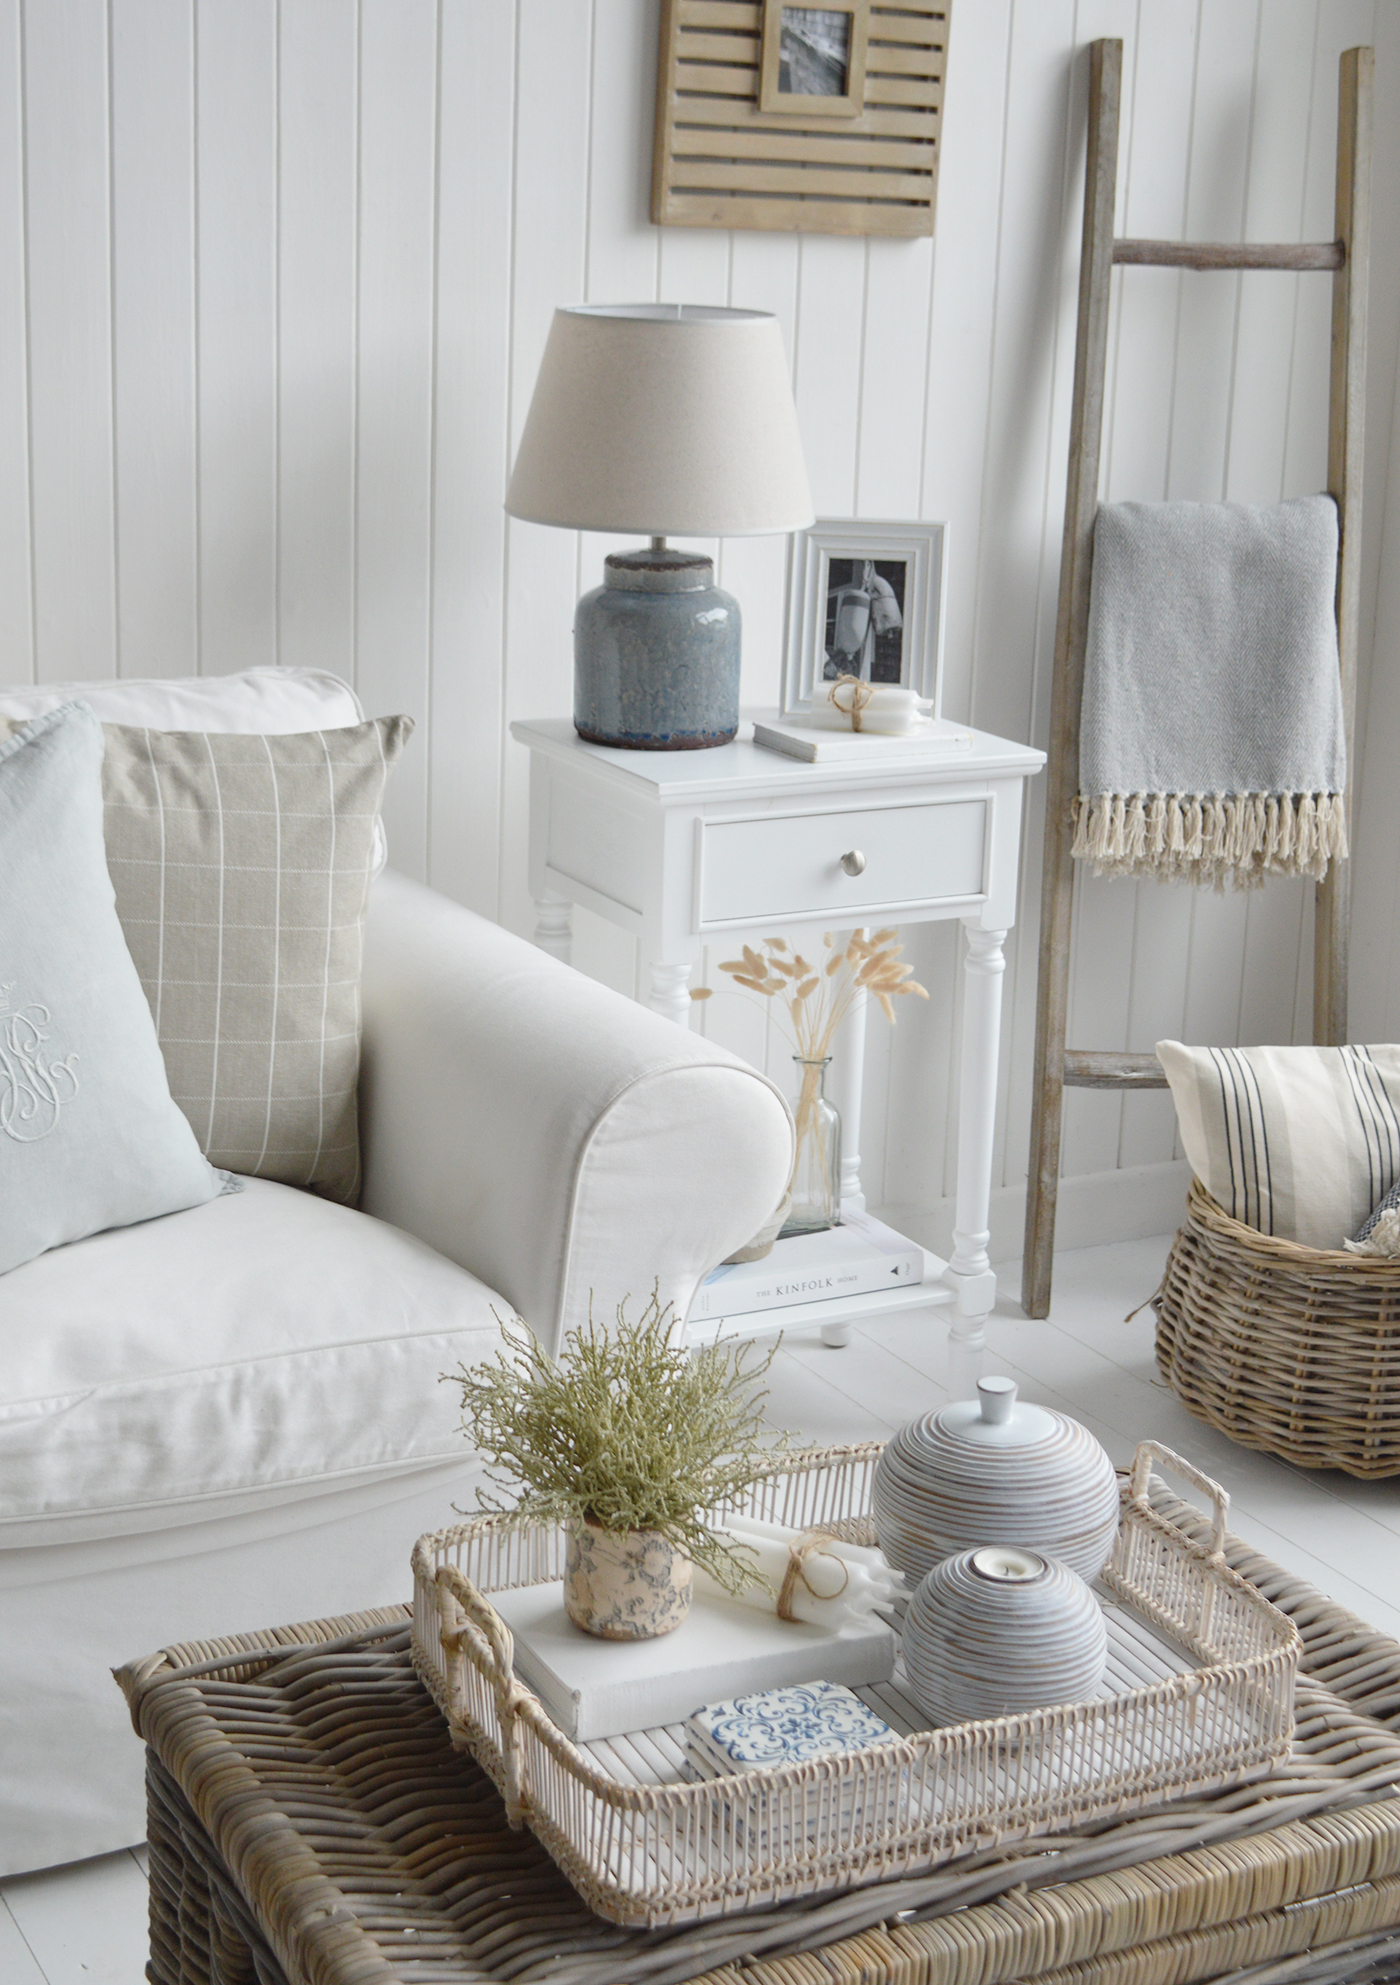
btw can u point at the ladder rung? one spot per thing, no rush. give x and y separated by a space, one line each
1086 1069
1232 254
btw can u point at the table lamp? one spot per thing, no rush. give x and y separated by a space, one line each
660 420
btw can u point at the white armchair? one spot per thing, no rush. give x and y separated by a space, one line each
232 1417
562 1143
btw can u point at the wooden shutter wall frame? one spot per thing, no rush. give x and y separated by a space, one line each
721 161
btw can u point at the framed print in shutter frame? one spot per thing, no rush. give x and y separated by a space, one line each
864 599
812 61
853 150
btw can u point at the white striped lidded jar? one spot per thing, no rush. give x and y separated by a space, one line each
995 1470
998 1630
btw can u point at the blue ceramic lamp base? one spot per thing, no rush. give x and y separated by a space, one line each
656 654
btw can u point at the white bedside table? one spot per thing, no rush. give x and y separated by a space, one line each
687 846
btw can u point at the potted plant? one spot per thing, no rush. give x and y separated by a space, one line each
627 1442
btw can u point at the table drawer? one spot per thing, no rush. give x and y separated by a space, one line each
789 865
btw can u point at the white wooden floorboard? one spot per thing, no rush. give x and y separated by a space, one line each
18 1964
84 1924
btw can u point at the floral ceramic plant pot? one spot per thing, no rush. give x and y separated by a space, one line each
625 1584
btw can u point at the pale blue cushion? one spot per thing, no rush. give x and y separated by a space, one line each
89 1136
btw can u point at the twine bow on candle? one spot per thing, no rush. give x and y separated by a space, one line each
812 1543
861 694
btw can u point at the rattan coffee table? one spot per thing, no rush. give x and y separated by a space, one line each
311 1824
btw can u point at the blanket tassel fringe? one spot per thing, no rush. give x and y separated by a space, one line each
1209 838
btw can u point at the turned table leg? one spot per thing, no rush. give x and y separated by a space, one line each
554 927
969 1269
670 991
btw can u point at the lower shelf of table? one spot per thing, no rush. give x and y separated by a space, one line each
934 1292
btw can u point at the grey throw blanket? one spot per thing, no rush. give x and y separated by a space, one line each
1211 742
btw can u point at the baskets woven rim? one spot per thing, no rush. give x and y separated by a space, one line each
1210 1216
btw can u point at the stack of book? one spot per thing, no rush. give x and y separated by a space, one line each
857 1258
820 736
605 1688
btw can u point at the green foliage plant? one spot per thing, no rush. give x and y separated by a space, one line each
628 1431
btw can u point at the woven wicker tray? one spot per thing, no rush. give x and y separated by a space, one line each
1202 1672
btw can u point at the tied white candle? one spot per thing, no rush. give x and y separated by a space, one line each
882 708
813 1577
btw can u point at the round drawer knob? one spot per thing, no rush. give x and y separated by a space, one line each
854 862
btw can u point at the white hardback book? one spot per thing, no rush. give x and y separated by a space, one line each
603 1688
854 1259
818 741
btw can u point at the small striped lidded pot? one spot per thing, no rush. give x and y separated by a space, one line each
998 1630
993 1470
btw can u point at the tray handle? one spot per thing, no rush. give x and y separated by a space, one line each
1146 1453
484 1636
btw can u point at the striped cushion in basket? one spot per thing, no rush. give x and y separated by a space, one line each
241 866
1299 1142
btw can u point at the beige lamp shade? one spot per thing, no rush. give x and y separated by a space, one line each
664 420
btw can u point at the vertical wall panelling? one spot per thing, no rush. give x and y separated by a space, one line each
16 573
1384 316
236 222
1376 874
829 359
962 319
275 278
317 227
893 401
548 236
1254 464
153 336
1023 478
1102 926
1210 353
1160 91
70 337
623 251
463 746
763 273
394 421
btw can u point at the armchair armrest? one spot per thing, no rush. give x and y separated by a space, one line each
556 1139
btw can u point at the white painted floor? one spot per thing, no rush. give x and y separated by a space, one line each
85 1924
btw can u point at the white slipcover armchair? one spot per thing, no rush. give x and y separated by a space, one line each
232 1417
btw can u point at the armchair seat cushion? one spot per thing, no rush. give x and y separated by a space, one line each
269 1343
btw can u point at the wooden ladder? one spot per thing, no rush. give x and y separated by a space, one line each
1056 1066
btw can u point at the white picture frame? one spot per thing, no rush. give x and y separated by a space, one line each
823 602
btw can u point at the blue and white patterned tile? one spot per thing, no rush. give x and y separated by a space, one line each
786 1726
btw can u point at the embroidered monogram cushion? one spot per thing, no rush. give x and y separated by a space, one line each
242 867
1299 1142
89 1137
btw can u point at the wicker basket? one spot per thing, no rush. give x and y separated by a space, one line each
655 1850
1291 1349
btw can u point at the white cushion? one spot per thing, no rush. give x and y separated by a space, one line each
256 700
1301 1143
269 1341
271 701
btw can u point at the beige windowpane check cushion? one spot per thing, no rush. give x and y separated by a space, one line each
241 866
1301 1143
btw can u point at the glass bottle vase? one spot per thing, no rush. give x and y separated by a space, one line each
816 1172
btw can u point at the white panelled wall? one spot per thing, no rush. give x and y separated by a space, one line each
275 276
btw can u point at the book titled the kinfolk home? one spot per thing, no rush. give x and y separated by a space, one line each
854 1259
